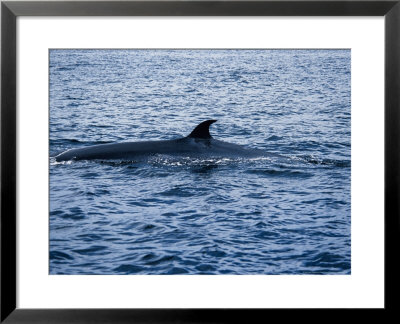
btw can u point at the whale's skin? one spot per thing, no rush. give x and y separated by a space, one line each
189 146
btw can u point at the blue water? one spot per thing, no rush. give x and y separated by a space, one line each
284 215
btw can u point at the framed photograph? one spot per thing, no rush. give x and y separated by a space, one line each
190 161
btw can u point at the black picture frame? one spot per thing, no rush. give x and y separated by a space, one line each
10 10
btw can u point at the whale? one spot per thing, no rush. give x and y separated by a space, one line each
198 144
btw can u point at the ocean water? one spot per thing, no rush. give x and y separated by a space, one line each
182 215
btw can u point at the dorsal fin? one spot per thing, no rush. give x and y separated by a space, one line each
202 129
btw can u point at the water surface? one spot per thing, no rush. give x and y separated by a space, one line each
283 215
